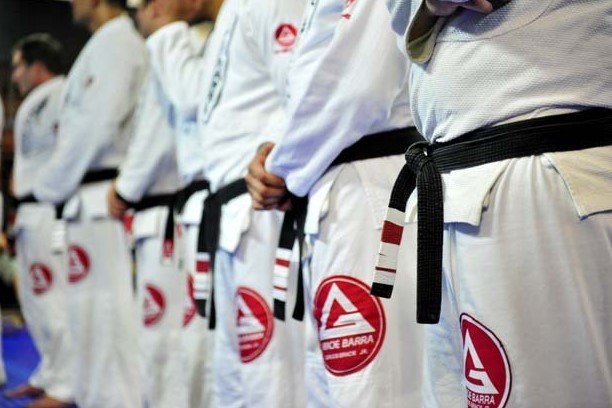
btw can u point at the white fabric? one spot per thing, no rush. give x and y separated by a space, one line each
96 117
94 131
35 132
331 106
344 55
102 313
42 272
272 368
161 296
247 85
248 75
42 294
150 167
197 342
567 68
177 53
392 378
532 272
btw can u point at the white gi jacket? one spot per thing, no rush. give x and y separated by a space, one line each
347 80
482 73
176 55
150 166
245 97
96 120
36 126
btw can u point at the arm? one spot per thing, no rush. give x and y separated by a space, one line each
151 149
178 66
346 76
98 106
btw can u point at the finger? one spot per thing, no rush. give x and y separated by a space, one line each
265 195
258 171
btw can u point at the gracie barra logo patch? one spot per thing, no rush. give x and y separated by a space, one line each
42 278
487 375
154 305
78 264
351 324
254 322
285 36
190 308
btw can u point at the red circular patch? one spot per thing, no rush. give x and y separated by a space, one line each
42 278
154 305
487 375
351 324
78 264
254 322
286 35
190 306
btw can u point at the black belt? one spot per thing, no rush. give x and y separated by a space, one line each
183 195
208 239
389 143
159 200
93 176
424 165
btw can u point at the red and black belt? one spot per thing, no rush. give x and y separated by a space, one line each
208 243
389 143
426 161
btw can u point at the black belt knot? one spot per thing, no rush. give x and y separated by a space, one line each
425 163
420 171
208 236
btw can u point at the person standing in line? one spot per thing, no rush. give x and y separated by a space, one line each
180 42
247 78
349 123
96 123
515 100
37 72
147 183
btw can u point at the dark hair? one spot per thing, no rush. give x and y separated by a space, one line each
118 3
41 48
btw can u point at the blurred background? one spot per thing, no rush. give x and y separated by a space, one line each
19 18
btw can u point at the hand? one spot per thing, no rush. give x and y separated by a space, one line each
116 206
443 8
268 192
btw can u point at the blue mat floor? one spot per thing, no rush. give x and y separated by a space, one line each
20 359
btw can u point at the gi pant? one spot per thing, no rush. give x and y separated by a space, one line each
268 354
198 342
42 292
526 319
102 313
369 349
161 292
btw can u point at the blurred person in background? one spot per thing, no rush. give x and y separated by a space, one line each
95 127
147 183
37 72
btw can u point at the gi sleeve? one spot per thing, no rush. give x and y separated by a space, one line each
179 67
98 106
343 81
151 150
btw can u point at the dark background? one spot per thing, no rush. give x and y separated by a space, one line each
19 18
